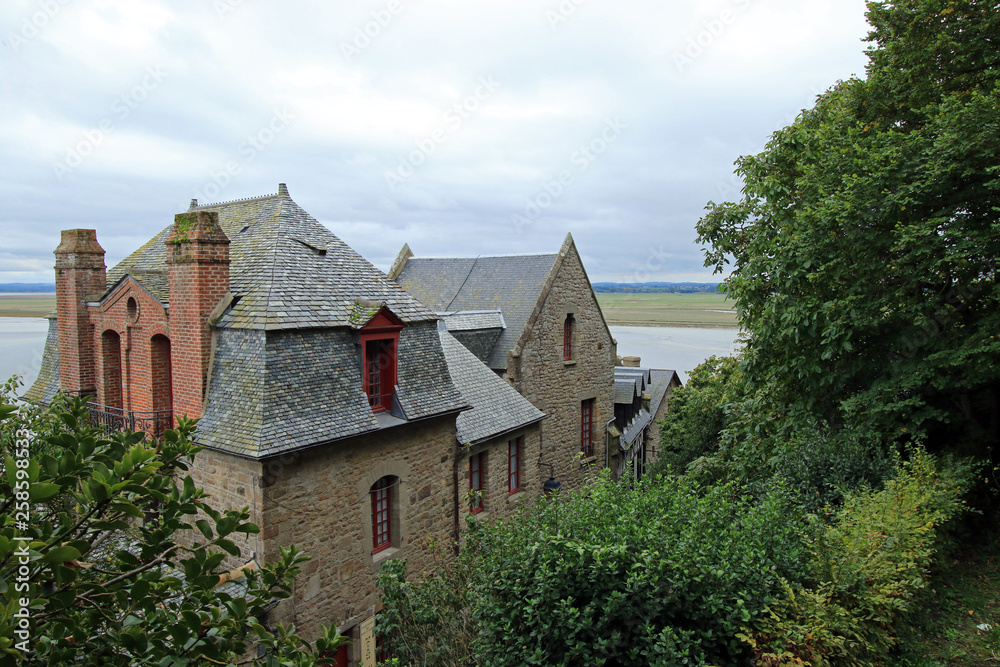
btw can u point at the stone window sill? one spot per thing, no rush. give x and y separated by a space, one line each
515 497
569 362
588 460
385 554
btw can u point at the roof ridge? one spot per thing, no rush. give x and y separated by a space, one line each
477 257
241 200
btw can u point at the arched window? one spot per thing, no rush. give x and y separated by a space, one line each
384 516
162 383
111 353
568 326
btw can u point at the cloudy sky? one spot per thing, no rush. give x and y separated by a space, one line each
461 127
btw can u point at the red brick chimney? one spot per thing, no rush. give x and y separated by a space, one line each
80 277
198 271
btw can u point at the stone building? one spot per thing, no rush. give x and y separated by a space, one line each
330 402
534 320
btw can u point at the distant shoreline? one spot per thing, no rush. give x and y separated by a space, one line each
27 304
678 325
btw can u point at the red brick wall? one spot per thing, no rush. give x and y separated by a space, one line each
142 376
80 276
198 270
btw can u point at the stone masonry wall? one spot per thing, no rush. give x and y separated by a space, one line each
497 501
231 483
558 387
320 502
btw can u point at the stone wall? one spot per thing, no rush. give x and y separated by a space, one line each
557 386
320 502
498 502
231 483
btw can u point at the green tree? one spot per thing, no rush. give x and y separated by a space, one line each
864 250
91 570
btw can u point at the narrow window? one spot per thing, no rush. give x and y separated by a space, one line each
477 464
568 327
379 340
587 427
514 448
380 372
381 493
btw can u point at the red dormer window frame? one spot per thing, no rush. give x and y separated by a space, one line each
379 339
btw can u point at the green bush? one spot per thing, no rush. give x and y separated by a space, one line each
867 565
697 415
659 574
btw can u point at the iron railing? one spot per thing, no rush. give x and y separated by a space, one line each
111 419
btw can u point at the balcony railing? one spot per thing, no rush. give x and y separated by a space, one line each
112 419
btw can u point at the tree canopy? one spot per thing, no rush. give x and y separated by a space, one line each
864 249
109 554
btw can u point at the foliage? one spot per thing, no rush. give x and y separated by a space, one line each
652 574
868 564
428 622
697 415
114 556
864 248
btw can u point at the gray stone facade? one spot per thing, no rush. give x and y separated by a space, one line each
534 294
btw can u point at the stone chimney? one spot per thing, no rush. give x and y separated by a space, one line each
631 362
80 277
198 272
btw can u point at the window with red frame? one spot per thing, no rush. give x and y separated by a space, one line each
380 372
381 493
587 427
568 327
379 339
514 449
477 466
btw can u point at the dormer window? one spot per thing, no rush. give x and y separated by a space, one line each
379 339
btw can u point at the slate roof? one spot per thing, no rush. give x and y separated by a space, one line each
661 381
471 320
46 385
622 372
286 269
286 371
509 283
277 391
497 408
634 429
626 390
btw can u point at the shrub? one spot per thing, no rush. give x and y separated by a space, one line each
656 574
866 567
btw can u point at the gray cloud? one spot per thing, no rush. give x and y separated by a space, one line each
117 113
